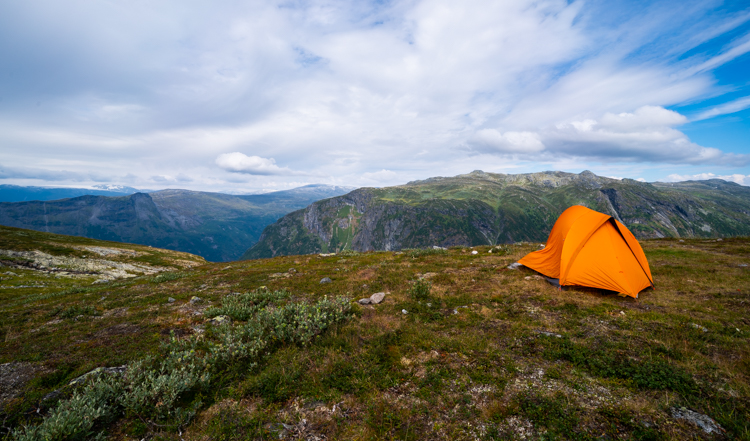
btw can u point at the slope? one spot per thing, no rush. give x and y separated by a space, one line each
484 208
217 226
461 348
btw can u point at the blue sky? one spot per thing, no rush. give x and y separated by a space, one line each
244 96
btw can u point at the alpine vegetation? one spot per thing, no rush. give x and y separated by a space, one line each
165 390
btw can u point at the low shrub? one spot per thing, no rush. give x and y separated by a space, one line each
420 290
243 306
76 310
420 252
155 388
168 277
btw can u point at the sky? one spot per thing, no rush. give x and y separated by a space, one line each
249 96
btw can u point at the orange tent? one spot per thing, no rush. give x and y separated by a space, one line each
588 248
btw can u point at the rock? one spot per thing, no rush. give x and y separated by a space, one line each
547 333
171 300
52 395
475 252
403 311
377 298
100 370
292 270
697 326
325 280
220 320
364 301
435 247
514 266
705 422
743 265
195 299
534 277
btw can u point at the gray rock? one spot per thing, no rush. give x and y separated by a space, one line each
475 252
52 395
435 247
403 311
547 333
195 299
377 297
100 370
220 320
514 266
326 280
364 301
697 326
171 300
705 422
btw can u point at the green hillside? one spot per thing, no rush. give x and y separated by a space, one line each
461 347
219 227
487 209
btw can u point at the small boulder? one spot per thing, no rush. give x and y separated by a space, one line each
403 311
377 298
475 252
705 422
100 370
364 301
697 326
195 299
325 280
171 300
514 266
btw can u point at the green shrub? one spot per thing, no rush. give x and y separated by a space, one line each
156 388
76 310
420 290
419 252
349 253
243 306
168 277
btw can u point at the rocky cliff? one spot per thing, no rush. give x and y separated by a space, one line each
486 208
218 227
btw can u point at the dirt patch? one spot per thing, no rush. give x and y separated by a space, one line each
121 329
13 378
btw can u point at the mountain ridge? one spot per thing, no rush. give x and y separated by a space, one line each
216 226
481 208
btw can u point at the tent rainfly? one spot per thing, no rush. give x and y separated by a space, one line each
592 249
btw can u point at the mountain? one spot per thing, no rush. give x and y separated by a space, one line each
218 227
485 208
16 193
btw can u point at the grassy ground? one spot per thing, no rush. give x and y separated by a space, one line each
482 352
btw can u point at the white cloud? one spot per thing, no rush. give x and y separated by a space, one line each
350 90
737 178
724 109
254 165
491 140
647 134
